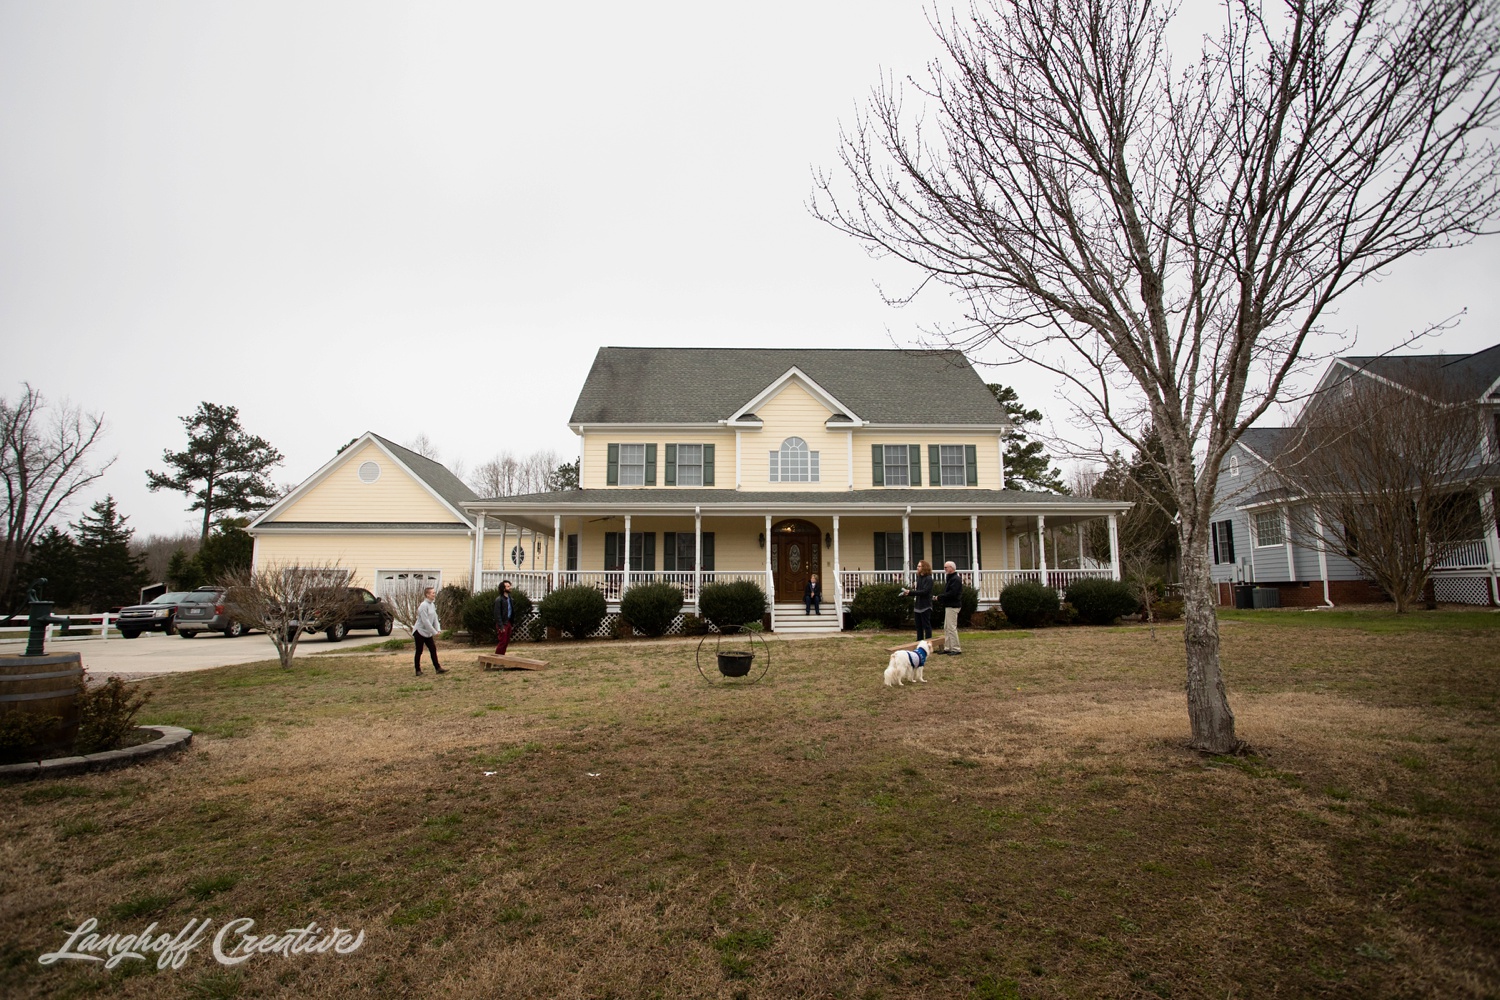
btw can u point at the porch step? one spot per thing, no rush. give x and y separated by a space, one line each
792 618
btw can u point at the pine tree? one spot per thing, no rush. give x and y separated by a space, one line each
109 574
182 571
1027 465
227 551
54 558
223 469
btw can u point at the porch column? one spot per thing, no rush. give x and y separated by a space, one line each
504 550
556 547
1491 540
697 559
478 552
1114 546
838 575
1041 546
625 583
905 543
974 546
770 579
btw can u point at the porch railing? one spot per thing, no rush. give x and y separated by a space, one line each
990 581
1468 554
611 582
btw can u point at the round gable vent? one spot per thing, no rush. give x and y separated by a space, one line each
369 472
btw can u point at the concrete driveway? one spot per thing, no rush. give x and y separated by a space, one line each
154 653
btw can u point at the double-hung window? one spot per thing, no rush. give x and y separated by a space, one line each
953 467
632 465
1223 541
897 464
793 462
689 464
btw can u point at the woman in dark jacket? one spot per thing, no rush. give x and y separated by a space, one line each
923 592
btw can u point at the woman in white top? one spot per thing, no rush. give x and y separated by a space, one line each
427 627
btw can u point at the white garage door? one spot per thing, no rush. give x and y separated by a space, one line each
389 580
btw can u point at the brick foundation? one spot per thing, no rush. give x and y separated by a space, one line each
1309 593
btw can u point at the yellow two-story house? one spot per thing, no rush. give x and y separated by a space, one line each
713 464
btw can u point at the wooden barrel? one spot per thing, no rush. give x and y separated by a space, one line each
44 689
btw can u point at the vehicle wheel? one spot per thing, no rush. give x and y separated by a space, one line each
385 626
170 629
337 632
189 635
235 630
129 633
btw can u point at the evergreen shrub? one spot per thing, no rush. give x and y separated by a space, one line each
881 602
730 604
577 611
1028 604
651 608
478 614
1100 602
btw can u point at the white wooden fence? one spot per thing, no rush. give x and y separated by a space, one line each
15 627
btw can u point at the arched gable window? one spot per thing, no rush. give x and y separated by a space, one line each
794 463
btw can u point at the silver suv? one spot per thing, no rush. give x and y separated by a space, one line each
205 610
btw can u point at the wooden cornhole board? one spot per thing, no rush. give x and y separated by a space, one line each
496 661
936 641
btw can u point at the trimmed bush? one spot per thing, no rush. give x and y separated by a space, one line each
869 625
1028 604
105 714
968 605
478 614
693 625
1167 611
576 611
881 602
730 604
1100 602
651 608
994 619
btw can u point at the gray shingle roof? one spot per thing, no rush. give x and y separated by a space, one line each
1265 441
707 384
1465 375
436 475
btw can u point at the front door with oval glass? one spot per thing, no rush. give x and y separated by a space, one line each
796 554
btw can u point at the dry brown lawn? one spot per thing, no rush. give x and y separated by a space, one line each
1027 824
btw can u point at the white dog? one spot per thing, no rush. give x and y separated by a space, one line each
906 665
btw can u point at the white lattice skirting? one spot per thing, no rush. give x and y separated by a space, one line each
1462 589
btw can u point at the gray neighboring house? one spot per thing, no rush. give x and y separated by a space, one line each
1254 540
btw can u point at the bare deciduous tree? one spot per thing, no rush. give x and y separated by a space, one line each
1384 473
44 464
1169 242
404 598
506 475
282 600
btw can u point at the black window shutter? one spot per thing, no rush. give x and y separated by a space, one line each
971 464
1229 539
877 463
612 467
650 465
612 558
669 478
669 538
934 465
708 550
1214 537
708 465
938 558
916 549
572 553
879 551
648 551
914 468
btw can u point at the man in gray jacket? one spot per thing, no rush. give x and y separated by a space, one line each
426 631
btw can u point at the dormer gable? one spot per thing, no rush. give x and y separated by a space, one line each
838 413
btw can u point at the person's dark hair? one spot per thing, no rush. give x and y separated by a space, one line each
504 584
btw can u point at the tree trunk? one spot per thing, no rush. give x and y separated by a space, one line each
1209 714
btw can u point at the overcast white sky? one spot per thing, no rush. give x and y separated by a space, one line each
427 217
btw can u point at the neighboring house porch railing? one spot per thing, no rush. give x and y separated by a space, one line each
1468 554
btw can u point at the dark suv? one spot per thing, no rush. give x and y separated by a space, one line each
204 610
158 615
365 611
